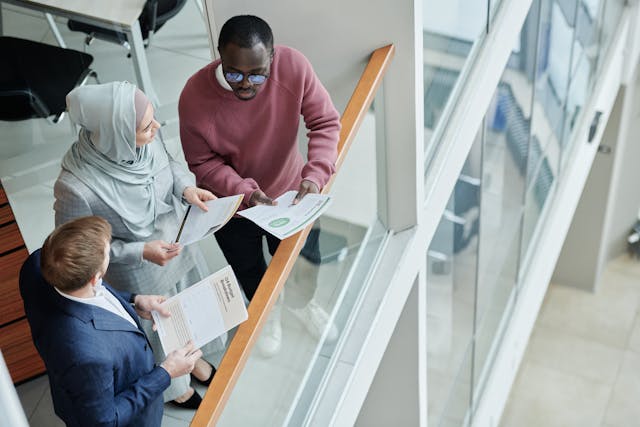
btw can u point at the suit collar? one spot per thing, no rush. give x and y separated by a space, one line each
102 319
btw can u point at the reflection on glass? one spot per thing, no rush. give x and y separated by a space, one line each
493 9
504 167
451 29
551 114
318 299
584 61
609 22
451 277
493 215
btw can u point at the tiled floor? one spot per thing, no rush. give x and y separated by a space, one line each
582 362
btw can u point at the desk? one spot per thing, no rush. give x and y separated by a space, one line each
121 15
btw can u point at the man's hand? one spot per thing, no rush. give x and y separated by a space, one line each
145 303
259 198
197 196
160 252
306 187
181 361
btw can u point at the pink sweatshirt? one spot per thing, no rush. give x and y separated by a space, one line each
235 146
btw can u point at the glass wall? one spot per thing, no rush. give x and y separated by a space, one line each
451 295
451 32
570 51
479 252
504 159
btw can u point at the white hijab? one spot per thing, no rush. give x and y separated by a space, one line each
106 159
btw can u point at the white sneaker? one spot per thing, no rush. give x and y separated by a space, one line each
315 320
271 337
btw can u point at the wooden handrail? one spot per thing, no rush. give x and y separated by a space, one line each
283 260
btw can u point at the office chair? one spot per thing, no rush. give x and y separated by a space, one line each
154 15
36 77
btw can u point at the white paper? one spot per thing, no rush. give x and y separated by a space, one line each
202 312
199 224
284 219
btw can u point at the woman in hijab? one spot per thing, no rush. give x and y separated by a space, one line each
119 171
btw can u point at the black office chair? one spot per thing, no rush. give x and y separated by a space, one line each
154 15
36 77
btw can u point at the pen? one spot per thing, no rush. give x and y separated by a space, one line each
186 214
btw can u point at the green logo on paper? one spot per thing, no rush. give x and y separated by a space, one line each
279 222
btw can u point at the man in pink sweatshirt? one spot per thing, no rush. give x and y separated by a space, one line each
239 119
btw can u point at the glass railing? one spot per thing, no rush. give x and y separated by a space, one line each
282 388
482 245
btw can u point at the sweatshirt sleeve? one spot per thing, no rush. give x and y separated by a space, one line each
323 124
209 167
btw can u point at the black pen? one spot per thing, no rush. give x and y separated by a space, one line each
186 214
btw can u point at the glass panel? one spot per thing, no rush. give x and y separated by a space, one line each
537 196
451 277
504 164
611 15
451 29
583 65
555 43
493 9
318 298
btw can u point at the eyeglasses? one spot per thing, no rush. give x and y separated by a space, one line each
255 79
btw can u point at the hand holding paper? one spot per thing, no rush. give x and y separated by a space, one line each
198 224
198 196
202 312
286 218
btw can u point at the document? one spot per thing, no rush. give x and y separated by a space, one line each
198 224
202 312
285 219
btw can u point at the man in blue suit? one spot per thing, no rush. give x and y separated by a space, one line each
100 366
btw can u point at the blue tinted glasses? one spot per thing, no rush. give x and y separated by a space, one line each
256 79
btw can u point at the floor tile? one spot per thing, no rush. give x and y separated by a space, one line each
606 316
185 415
24 23
44 416
623 409
626 264
33 210
31 392
547 397
168 421
571 354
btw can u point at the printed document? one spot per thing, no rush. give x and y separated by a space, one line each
285 219
202 312
198 224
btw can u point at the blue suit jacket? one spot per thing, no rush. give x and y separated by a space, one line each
101 368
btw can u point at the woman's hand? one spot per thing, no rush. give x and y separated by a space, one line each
160 252
197 196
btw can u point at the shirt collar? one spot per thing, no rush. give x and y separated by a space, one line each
221 79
